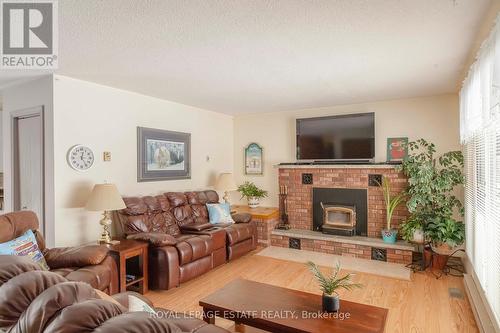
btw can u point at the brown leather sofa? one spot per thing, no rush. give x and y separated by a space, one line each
90 264
183 244
33 301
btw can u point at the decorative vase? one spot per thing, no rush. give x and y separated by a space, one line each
389 235
253 202
330 303
418 236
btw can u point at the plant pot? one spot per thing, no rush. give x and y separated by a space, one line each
253 202
442 248
330 303
389 236
439 261
427 256
418 236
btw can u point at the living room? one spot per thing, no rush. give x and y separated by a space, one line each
264 166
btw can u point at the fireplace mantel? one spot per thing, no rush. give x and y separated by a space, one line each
336 166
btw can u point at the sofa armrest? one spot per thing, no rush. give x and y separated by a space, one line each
196 227
241 217
79 256
154 238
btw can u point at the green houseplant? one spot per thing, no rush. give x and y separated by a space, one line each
330 284
250 191
431 200
391 203
412 230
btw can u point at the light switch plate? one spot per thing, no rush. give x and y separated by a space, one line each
106 156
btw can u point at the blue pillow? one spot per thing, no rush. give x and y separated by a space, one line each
25 245
219 213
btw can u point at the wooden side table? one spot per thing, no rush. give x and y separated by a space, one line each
138 252
266 219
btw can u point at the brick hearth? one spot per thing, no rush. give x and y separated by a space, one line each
357 247
340 176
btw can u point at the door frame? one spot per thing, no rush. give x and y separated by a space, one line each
16 197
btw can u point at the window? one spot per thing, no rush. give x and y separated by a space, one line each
480 135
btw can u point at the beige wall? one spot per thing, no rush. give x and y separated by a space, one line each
16 98
106 119
433 118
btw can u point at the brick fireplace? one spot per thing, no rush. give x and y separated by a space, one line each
301 180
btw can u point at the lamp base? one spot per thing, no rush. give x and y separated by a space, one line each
105 222
226 197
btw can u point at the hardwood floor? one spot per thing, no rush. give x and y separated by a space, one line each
422 305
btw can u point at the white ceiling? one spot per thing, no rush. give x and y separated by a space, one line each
237 56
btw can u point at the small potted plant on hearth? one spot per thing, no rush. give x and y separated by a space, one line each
391 203
253 194
412 230
330 284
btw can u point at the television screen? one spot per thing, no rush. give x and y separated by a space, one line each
346 137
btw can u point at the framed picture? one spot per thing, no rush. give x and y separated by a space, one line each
162 155
253 160
397 149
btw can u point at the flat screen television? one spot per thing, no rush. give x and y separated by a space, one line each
346 137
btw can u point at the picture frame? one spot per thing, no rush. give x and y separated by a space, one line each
254 164
397 149
163 155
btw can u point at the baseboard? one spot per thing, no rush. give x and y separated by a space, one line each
483 314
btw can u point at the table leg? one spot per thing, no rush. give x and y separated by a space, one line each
208 316
145 275
123 273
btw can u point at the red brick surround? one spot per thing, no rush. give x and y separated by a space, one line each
300 195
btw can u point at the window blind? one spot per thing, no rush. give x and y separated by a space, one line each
480 136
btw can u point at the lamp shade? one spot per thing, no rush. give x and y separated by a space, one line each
105 197
225 182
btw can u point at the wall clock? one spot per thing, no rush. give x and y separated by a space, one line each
80 158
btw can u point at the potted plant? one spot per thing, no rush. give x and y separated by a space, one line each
391 203
446 234
250 191
431 200
412 230
330 284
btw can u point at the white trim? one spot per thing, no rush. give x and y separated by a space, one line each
485 318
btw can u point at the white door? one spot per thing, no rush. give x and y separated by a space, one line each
30 164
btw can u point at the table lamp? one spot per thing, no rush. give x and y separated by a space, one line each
105 197
226 183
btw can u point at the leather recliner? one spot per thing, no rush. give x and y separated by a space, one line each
32 300
183 244
90 264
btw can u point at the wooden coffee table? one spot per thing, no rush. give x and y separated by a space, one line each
277 309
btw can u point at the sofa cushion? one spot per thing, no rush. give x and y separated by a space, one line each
183 215
176 199
239 232
24 245
13 225
98 276
219 213
192 248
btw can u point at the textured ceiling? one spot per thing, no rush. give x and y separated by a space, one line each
237 56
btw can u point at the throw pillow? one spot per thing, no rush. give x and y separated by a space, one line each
25 245
135 304
219 213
